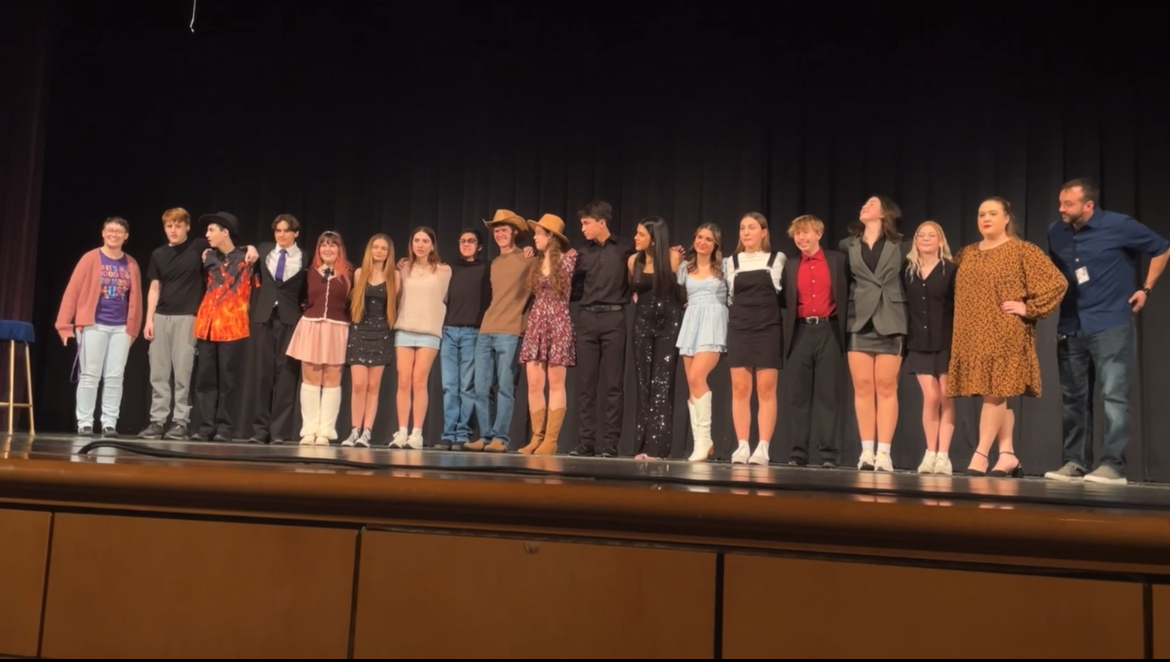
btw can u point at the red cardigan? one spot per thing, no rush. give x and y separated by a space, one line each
79 305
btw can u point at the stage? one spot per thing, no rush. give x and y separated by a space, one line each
130 548
776 480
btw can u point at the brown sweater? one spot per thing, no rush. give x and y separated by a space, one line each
509 295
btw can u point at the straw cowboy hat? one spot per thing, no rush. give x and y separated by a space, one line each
553 224
508 217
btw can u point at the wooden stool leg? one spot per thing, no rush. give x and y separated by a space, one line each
32 424
11 381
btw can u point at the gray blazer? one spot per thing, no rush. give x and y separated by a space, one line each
879 296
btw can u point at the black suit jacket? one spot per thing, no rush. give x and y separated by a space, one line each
291 293
839 282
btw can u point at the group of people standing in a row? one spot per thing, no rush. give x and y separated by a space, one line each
963 324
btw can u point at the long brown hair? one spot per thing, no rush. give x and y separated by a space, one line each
765 243
357 301
556 276
342 266
716 255
433 258
891 214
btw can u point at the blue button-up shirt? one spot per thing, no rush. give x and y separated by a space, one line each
1108 247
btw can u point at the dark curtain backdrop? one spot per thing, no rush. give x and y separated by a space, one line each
25 46
366 124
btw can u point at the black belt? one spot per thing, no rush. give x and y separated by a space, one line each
816 320
601 309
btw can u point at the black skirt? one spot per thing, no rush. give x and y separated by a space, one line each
928 363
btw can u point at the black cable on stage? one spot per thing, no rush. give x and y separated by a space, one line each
142 449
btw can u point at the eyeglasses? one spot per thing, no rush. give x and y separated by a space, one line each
469 241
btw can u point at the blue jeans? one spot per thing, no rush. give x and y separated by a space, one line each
495 363
1106 357
457 354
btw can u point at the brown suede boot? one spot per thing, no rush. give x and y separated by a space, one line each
537 433
497 446
549 446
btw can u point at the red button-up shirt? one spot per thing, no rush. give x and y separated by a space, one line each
814 288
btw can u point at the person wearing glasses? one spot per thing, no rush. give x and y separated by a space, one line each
102 309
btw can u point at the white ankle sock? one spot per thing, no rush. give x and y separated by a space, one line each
941 454
763 443
402 430
931 454
416 432
743 443
867 446
884 448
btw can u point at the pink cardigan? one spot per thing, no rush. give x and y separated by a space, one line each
79 305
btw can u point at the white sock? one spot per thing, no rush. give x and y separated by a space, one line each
941 454
764 444
743 443
867 446
884 448
402 430
416 432
931 454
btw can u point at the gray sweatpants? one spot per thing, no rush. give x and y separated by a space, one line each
173 348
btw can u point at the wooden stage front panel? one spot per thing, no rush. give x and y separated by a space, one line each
24 549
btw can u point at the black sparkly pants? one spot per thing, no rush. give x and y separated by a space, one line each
655 367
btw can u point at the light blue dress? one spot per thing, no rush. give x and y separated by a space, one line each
704 325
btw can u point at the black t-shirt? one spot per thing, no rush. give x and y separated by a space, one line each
179 272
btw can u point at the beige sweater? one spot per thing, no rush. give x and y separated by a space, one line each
423 305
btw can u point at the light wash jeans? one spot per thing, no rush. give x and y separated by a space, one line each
103 351
495 364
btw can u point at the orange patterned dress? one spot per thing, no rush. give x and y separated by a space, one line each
993 353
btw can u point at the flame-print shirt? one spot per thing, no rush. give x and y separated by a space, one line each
223 314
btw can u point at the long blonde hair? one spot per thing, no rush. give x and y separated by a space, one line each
357 299
914 260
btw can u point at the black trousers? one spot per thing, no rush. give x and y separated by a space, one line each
277 376
817 366
601 359
216 385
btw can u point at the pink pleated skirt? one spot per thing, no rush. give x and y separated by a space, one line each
319 341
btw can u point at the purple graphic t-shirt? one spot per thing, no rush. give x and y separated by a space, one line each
114 299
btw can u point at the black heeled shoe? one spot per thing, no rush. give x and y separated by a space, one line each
1016 472
976 472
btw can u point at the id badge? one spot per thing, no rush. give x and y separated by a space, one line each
1082 275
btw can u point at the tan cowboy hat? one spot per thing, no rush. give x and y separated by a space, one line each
508 217
553 224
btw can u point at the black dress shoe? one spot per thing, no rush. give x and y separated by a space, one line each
584 450
829 464
609 452
257 440
220 437
798 462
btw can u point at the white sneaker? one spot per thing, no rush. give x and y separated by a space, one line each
308 439
364 439
882 462
322 441
349 441
414 441
866 461
928 460
761 455
942 465
398 440
741 454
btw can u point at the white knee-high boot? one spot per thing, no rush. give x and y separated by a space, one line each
701 427
330 405
310 413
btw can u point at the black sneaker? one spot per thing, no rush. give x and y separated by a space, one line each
177 432
85 430
152 431
109 433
